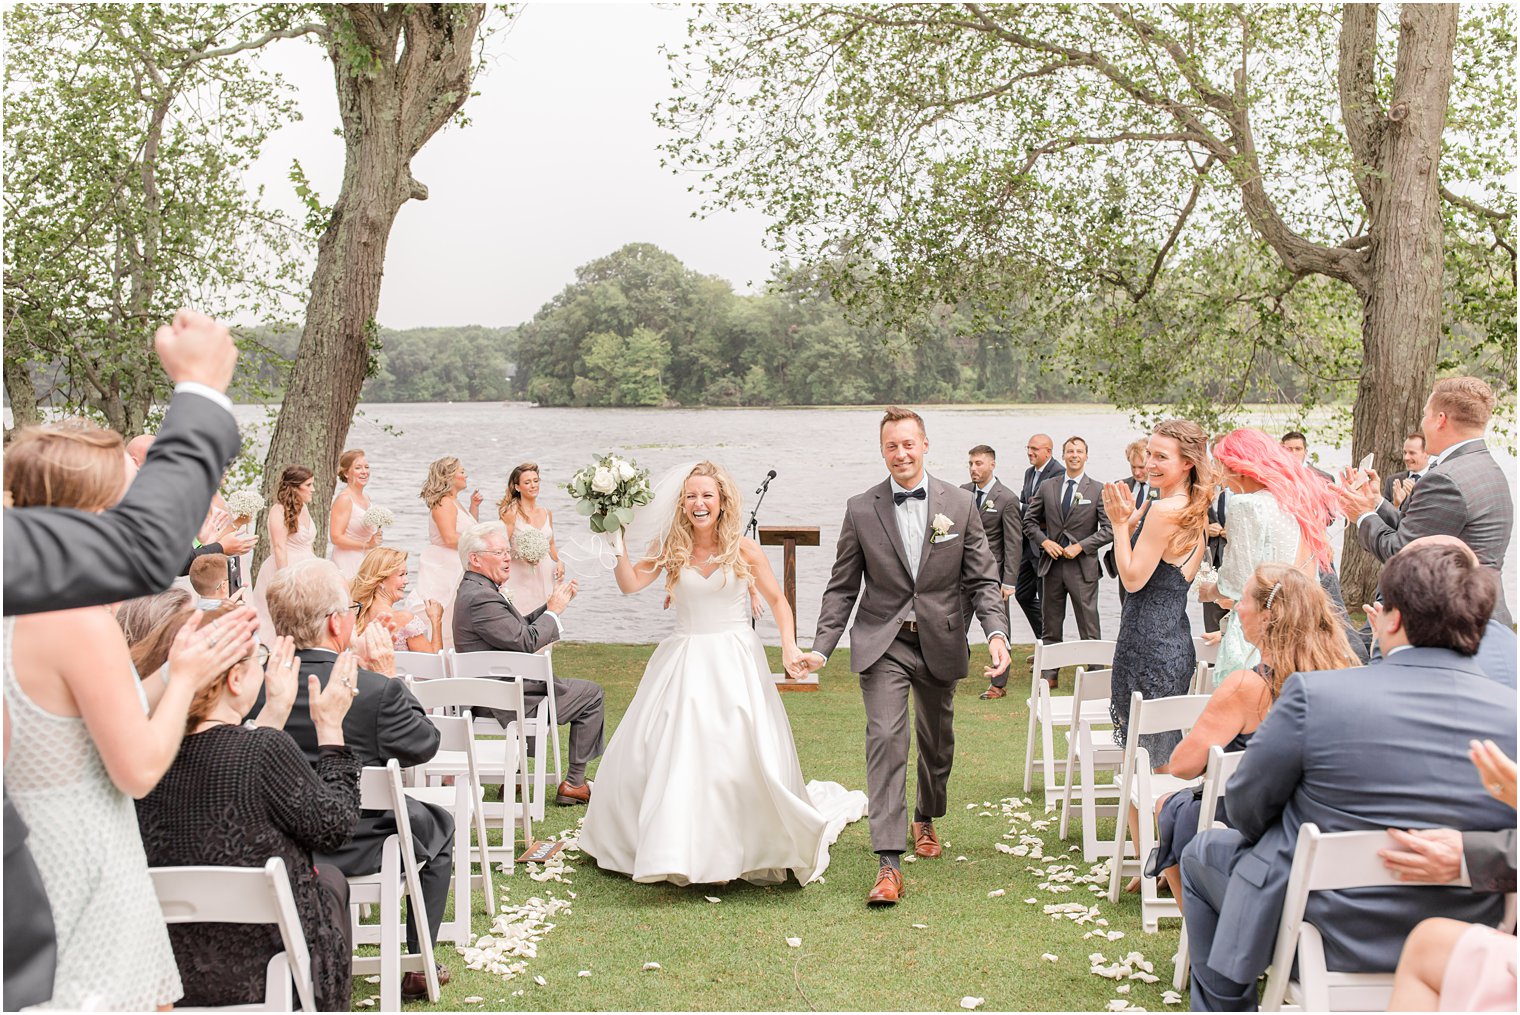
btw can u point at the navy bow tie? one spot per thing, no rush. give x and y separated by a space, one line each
919 494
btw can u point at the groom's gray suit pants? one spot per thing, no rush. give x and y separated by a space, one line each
885 687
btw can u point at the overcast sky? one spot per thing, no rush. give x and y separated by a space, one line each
557 167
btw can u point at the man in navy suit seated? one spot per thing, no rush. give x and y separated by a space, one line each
1378 747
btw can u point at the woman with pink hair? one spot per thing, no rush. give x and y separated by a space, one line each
1279 510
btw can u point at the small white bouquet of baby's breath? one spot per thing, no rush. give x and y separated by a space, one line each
243 505
530 546
607 491
378 517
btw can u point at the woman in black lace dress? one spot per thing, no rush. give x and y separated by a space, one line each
1157 550
237 795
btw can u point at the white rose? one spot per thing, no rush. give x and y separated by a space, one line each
625 471
604 481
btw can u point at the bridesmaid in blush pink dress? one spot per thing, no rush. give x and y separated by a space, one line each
441 568
349 536
291 535
530 583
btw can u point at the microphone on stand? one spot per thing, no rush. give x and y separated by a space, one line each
768 477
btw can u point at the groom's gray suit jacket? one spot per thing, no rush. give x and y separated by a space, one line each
871 565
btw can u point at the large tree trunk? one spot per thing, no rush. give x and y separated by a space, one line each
21 392
1401 320
402 70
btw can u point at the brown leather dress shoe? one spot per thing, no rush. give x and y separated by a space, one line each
925 842
889 887
414 985
568 794
993 693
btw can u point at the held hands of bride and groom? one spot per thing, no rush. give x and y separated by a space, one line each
812 662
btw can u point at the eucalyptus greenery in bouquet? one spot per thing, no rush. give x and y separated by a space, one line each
607 491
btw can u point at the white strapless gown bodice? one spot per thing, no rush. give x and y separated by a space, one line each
701 783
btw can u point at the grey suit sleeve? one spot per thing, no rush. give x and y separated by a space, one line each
1490 858
57 559
1104 535
1388 513
843 589
1436 508
1034 520
496 624
1013 540
979 575
1271 770
402 728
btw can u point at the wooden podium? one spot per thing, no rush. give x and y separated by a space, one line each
789 537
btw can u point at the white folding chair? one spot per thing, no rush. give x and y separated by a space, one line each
1215 778
1203 672
399 878
1328 862
498 760
422 665
1047 711
464 800
542 729
251 895
1140 788
1088 751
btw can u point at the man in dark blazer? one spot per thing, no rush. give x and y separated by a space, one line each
485 621
1043 467
1003 522
908 549
1376 747
1067 522
1464 492
1140 490
1416 461
1218 535
310 603
60 559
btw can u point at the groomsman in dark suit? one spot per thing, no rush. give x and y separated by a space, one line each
1397 487
1042 466
1298 446
1218 536
1140 490
1003 521
1464 492
1067 522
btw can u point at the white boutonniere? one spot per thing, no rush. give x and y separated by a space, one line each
940 527
1152 493
506 594
990 506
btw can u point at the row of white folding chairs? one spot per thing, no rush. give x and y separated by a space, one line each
542 729
1048 711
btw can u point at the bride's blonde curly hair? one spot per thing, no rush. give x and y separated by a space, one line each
675 554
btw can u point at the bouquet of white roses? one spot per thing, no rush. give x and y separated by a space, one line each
378 517
243 505
530 546
607 491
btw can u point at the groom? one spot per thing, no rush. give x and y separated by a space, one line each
916 543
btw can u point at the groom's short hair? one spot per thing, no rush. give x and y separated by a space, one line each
896 413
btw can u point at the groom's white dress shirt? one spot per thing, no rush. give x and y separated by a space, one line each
913 522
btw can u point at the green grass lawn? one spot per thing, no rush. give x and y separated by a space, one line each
734 954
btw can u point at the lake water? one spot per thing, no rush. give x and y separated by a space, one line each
822 456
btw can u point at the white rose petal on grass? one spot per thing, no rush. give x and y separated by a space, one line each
996 893
972 1003
650 966
920 926
584 972
472 999
1048 957
368 1002
372 979
540 981
1122 988
794 942
713 899
1171 997
959 859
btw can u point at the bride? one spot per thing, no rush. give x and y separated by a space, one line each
701 783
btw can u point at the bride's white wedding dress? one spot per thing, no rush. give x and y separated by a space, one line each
701 782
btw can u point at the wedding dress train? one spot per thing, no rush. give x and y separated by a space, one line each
701 782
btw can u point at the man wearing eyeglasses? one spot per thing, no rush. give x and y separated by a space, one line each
486 621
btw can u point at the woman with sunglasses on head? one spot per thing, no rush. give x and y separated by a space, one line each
239 794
